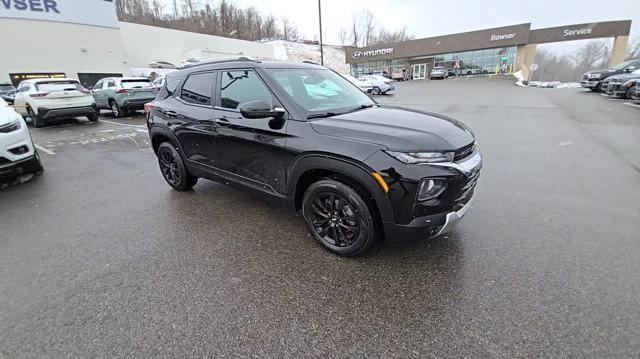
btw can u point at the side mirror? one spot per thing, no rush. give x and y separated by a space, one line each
260 109
630 69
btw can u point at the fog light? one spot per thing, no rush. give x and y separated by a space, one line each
431 188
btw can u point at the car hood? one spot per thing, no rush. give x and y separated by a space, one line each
603 71
398 129
7 115
624 77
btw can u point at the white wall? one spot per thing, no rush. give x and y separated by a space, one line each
44 46
148 43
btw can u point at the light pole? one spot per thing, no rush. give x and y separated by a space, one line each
320 22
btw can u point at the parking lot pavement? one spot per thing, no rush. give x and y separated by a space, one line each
98 257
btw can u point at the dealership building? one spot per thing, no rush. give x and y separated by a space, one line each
498 50
83 39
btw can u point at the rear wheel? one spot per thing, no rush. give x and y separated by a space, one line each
37 122
93 116
173 169
338 217
376 90
117 111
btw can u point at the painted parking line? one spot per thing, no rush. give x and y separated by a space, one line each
632 104
43 149
123 124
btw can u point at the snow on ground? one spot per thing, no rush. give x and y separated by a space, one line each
298 52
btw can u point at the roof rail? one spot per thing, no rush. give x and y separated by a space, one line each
222 60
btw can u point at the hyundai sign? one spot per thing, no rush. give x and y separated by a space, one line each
86 12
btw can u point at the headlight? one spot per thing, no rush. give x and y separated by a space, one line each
422 157
10 127
629 83
431 188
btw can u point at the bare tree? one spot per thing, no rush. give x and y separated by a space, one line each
633 51
289 30
590 56
223 18
366 32
343 36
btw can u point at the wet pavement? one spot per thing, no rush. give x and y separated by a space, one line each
100 258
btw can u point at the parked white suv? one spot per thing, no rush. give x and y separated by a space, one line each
46 99
17 153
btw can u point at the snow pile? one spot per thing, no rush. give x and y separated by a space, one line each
520 77
554 84
298 52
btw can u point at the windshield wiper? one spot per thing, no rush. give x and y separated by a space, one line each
361 107
329 114
324 114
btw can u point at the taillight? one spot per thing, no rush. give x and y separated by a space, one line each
148 107
122 90
39 94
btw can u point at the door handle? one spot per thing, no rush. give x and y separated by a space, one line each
222 121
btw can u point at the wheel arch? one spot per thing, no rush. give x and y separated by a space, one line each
159 135
312 167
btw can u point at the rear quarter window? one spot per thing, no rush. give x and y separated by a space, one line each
170 86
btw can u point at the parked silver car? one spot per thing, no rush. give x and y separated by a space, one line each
439 72
123 94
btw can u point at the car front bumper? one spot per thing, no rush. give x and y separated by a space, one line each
589 84
427 221
17 168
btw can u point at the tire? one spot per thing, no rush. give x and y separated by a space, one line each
629 93
94 116
37 122
117 111
334 210
37 163
173 169
376 90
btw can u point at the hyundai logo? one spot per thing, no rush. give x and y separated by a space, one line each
356 54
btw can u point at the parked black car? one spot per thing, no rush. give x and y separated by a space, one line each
7 93
304 135
621 85
593 79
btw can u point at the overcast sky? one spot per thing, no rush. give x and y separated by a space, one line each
432 18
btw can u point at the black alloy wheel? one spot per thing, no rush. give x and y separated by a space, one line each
338 217
173 169
629 94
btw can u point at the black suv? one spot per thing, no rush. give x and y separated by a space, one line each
300 133
593 80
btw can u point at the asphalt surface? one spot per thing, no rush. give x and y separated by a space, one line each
100 258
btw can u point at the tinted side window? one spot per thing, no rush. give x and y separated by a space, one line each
98 85
197 89
170 86
242 86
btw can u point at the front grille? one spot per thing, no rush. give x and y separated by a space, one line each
3 161
467 188
464 152
585 77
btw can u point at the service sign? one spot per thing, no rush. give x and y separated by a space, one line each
86 12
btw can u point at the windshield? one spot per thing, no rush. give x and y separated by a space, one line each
320 90
135 83
54 86
4 87
623 65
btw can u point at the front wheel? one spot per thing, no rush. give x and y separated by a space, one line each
376 90
338 218
630 91
173 169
